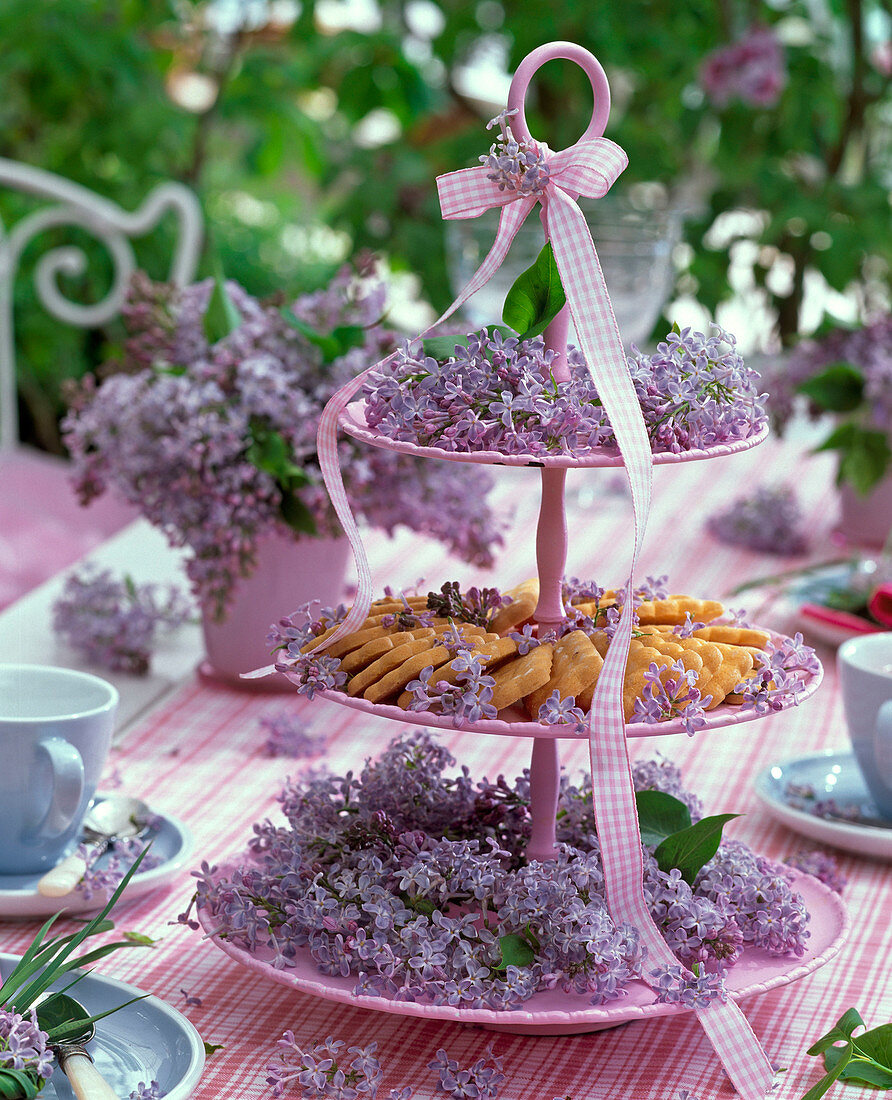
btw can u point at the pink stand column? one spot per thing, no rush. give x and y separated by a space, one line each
551 557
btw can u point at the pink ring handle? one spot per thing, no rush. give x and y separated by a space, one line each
567 51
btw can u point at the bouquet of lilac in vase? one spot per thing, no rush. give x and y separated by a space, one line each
208 424
847 374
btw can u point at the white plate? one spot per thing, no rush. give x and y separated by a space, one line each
172 841
831 774
147 1041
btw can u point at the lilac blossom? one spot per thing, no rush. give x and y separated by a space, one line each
23 1045
868 349
498 394
289 735
525 640
112 621
752 70
216 443
152 1091
480 1081
314 672
102 876
520 166
556 711
405 875
822 865
781 678
327 1069
769 520
665 697
673 986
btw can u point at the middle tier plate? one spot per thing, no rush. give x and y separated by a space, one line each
512 722
353 422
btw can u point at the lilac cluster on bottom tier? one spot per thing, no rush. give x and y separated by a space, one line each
415 882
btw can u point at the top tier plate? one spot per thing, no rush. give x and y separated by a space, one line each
354 423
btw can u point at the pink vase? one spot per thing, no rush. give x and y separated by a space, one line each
866 520
290 572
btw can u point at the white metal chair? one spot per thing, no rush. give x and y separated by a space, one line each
34 488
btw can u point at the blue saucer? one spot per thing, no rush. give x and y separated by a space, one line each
171 843
793 790
146 1041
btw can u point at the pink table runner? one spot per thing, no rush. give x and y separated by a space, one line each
201 758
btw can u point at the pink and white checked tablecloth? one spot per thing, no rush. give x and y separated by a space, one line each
200 757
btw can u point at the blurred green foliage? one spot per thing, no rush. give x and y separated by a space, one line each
264 108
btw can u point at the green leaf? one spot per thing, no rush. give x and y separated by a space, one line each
221 316
60 960
516 951
297 515
536 296
444 347
269 452
212 1048
138 939
691 848
840 388
332 344
660 815
865 463
818 1090
16 1085
871 1060
841 1032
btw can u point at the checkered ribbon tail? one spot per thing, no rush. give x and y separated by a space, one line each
590 169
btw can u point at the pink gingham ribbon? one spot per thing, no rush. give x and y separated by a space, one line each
588 168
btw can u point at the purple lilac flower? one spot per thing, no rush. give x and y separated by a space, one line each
480 1080
821 864
497 394
385 875
556 711
525 640
672 986
152 1091
752 70
112 621
769 520
756 893
868 349
326 1069
288 734
686 1094
103 876
665 697
313 672
781 678
188 431
514 165
190 999
23 1046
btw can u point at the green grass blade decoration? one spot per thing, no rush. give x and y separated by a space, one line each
40 984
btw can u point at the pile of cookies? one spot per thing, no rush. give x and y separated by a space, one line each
402 637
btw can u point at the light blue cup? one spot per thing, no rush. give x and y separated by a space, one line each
865 669
56 726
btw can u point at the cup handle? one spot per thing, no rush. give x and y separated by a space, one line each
68 787
882 741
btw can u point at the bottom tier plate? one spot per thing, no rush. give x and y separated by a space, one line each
557 1013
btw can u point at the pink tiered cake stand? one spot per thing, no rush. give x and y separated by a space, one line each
554 1012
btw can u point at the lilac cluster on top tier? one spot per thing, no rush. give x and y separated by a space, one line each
499 394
